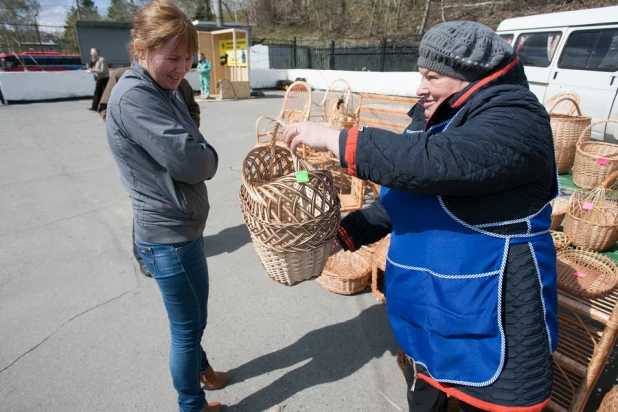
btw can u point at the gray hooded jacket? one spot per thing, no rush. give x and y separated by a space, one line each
162 157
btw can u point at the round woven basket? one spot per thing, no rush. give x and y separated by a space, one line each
345 273
567 130
561 240
594 161
610 401
559 208
292 223
591 220
585 273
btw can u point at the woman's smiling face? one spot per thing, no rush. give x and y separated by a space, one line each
436 88
167 64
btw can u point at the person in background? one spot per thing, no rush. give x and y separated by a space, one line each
164 160
98 67
470 281
186 93
203 68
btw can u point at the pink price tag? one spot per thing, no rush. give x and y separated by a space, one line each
588 205
602 161
579 274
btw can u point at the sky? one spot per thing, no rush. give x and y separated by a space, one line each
53 12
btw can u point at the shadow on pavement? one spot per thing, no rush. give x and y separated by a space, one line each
334 352
227 240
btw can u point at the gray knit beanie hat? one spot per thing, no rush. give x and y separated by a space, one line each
463 49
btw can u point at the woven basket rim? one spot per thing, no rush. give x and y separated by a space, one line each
357 271
573 256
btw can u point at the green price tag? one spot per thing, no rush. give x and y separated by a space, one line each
302 176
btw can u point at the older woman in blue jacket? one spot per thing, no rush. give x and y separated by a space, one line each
470 280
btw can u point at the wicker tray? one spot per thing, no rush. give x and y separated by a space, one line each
559 208
586 273
561 240
610 401
345 273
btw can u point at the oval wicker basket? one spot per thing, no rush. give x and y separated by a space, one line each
594 160
345 273
292 224
559 208
610 401
585 273
591 220
567 129
561 240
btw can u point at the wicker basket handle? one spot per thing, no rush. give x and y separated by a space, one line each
610 180
563 99
581 136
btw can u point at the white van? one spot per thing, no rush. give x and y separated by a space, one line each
574 50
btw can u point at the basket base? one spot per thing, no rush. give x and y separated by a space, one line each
292 268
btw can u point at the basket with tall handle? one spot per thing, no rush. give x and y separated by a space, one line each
567 129
594 160
293 218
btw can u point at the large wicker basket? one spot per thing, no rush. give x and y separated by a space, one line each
345 273
594 160
591 220
559 208
566 129
586 273
292 224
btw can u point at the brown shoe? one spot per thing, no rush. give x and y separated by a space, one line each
213 407
214 380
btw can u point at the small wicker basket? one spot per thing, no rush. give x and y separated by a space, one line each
591 220
561 240
594 160
567 130
345 273
559 208
292 224
585 273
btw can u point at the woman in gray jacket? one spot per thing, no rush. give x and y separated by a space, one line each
164 161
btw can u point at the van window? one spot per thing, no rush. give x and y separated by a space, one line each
591 50
537 49
507 38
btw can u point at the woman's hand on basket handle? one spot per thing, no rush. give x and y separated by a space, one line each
316 136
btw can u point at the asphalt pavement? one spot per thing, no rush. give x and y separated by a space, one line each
81 329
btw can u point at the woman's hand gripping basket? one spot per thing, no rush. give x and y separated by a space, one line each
292 212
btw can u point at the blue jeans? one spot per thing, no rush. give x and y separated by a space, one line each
181 273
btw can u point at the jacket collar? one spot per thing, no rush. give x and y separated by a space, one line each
144 75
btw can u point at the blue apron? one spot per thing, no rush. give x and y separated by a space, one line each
443 286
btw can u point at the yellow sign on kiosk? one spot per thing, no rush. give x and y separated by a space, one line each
226 47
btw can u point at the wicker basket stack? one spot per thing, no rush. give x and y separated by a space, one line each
591 220
293 219
594 160
567 129
585 273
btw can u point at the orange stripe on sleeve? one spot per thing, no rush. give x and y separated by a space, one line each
350 150
346 238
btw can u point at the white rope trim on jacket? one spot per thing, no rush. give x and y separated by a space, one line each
538 275
502 336
441 275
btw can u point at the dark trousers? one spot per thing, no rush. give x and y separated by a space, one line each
98 92
426 398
